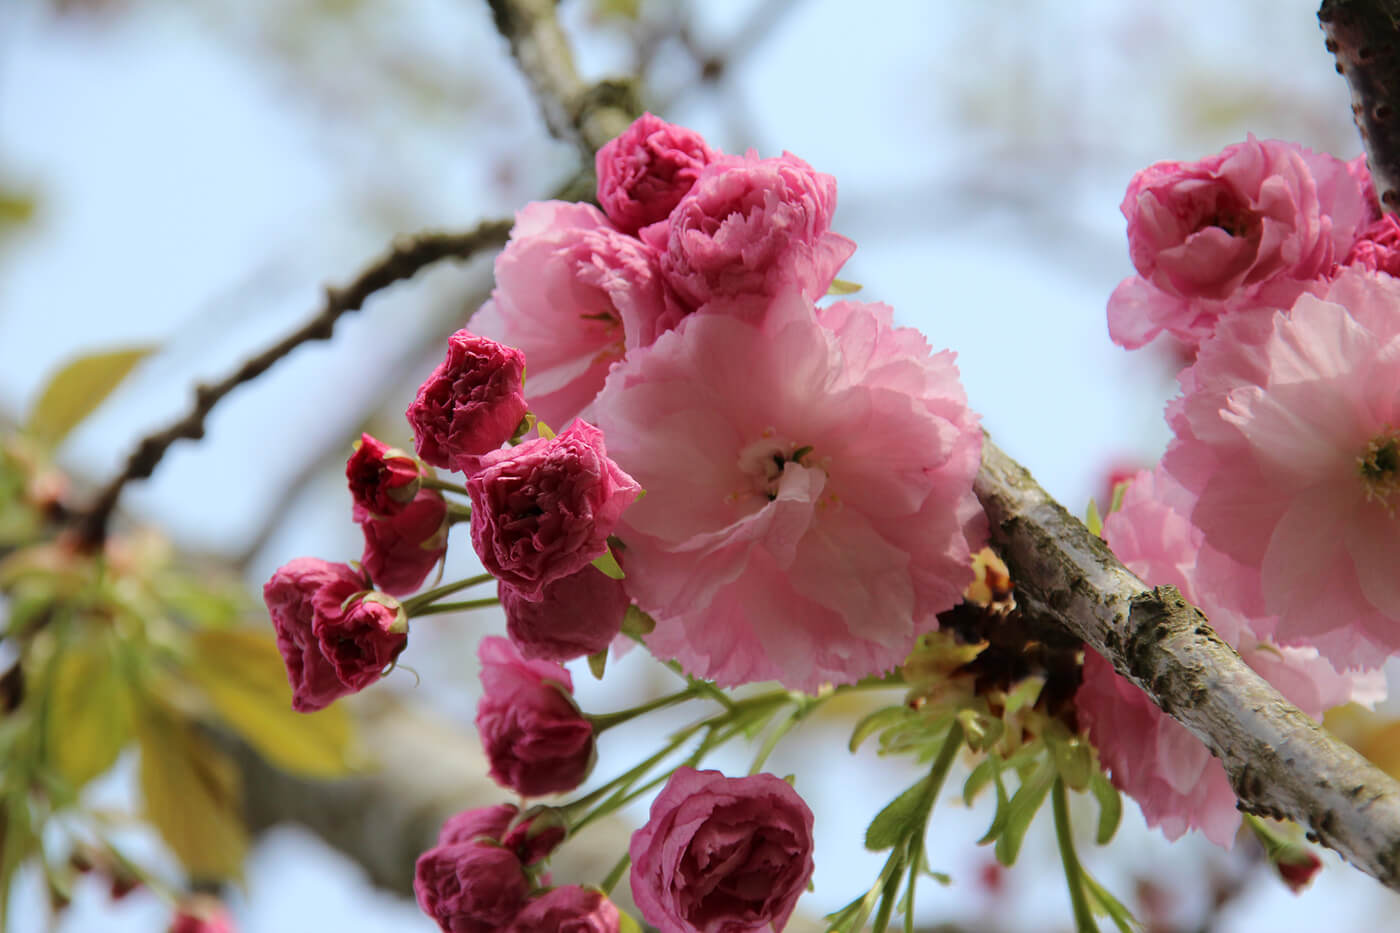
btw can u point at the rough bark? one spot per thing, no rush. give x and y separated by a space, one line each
1280 762
1364 35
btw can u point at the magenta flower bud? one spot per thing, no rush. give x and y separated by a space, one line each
750 229
402 549
536 739
481 823
543 510
335 637
470 887
644 173
718 853
1378 247
575 616
470 405
571 909
383 479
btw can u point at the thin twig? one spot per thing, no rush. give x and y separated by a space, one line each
1280 762
408 256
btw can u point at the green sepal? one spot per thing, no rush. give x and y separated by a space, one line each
598 663
1110 807
608 564
1021 810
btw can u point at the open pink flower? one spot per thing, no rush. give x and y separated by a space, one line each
1150 756
536 739
470 405
402 549
749 229
644 173
1288 439
1378 247
1251 227
809 508
543 510
570 909
383 480
573 294
722 855
575 616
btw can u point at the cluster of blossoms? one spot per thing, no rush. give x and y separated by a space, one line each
1274 506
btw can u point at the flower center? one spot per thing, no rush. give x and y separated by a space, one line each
1379 467
765 459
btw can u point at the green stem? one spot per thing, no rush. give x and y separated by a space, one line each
616 874
771 740
414 603
604 721
462 606
458 514
442 485
1074 874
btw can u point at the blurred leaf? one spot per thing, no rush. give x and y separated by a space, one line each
980 777
842 287
1022 809
1110 807
1105 904
192 796
1093 520
1023 695
242 673
17 842
17 208
625 923
876 721
76 390
1074 761
892 823
89 714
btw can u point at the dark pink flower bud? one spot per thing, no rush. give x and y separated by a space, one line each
570 909
576 616
329 641
201 915
470 405
470 887
543 510
536 739
718 853
536 835
383 479
1378 247
401 550
749 230
1296 865
644 173
482 823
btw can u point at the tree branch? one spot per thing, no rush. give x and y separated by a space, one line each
408 256
1280 762
586 115
1364 35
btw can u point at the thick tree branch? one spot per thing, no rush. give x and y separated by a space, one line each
1280 762
586 115
1364 35
409 255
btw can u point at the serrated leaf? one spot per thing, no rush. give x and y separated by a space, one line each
76 390
875 722
89 715
191 794
892 823
980 777
242 674
608 564
1110 807
1022 810
842 287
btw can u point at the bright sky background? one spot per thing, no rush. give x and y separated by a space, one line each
197 191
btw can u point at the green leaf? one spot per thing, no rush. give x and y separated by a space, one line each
1074 760
625 923
893 823
192 795
607 563
1110 807
598 663
1093 520
241 672
18 842
76 390
999 818
1118 490
1022 809
89 715
877 721
979 778
636 623
1105 904
842 287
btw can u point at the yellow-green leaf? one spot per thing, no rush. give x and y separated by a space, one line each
842 287
76 390
625 923
242 673
192 795
608 565
89 713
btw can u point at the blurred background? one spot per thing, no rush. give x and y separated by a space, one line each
191 175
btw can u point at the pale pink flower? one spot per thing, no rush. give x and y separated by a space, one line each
1150 756
1288 439
573 293
644 173
1252 227
809 506
750 229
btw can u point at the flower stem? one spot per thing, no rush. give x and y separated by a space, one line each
457 514
604 721
442 485
1074 874
462 606
414 604
616 874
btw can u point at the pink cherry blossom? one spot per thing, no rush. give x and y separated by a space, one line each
471 404
1252 227
402 549
644 173
1286 438
577 615
1378 247
383 480
809 503
470 887
573 293
570 909
749 229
